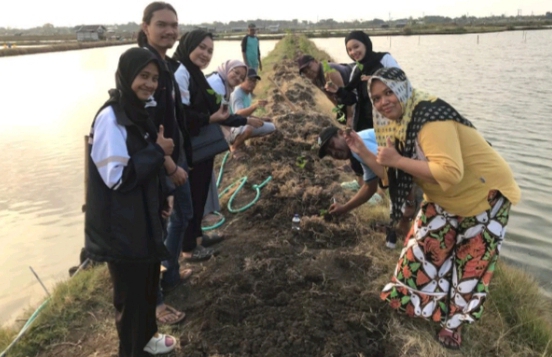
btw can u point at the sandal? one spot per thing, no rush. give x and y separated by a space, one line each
185 274
200 254
449 339
213 239
160 344
169 316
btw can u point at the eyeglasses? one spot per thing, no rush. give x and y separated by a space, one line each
240 76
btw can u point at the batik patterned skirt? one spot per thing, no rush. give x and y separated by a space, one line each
447 262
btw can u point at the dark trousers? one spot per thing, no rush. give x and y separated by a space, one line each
134 297
200 180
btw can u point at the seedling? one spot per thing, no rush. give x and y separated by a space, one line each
360 66
300 162
217 96
338 109
323 212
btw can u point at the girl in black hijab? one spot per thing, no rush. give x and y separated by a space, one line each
359 49
123 224
202 108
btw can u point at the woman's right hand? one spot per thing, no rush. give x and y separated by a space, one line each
166 144
255 122
331 87
179 177
354 141
220 115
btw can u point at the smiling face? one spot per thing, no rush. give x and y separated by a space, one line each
202 54
162 30
385 101
337 148
356 50
145 83
249 85
311 70
236 76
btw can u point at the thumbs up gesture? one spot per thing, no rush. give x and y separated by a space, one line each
388 155
166 144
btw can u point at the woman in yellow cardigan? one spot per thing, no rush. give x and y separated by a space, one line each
450 253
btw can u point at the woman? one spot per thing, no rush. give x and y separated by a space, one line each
202 107
228 76
124 203
451 251
355 93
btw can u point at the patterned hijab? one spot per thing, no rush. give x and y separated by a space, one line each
224 70
418 108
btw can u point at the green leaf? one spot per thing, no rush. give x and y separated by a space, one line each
443 306
415 266
360 65
400 276
405 300
323 212
342 119
326 67
301 162
394 293
210 91
411 283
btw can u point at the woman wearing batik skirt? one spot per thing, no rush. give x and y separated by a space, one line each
450 253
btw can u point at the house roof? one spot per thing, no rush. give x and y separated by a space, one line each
91 28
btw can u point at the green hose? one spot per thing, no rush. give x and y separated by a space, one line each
241 182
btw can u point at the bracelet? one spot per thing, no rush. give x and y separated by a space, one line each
175 169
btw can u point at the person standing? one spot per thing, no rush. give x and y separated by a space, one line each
159 32
123 221
251 50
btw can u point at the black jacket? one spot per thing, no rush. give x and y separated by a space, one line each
363 118
199 111
161 112
125 225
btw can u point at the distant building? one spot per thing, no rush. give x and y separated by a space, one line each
273 28
91 33
239 29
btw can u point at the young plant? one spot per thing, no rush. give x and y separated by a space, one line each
360 66
300 162
217 96
340 114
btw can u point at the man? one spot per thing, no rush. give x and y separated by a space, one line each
240 103
339 74
332 142
364 148
250 49
159 32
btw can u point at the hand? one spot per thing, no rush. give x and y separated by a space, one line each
262 103
337 209
388 156
168 207
365 78
180 177
220 115
267 120
255 122
354 141
330 87
166 144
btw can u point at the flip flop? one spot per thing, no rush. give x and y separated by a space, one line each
453 338
200 254
209 240
185 274
169 316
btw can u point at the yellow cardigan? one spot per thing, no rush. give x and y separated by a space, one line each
466 168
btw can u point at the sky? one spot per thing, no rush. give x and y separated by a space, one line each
23 14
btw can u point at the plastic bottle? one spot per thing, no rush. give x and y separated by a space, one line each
296 223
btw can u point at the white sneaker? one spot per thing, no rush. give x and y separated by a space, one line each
161 344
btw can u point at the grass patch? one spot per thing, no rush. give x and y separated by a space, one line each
73 304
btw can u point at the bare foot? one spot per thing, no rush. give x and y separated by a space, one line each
450 339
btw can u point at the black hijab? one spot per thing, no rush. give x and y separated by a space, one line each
131 63
188 43
371 61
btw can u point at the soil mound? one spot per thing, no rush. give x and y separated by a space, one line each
272 291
